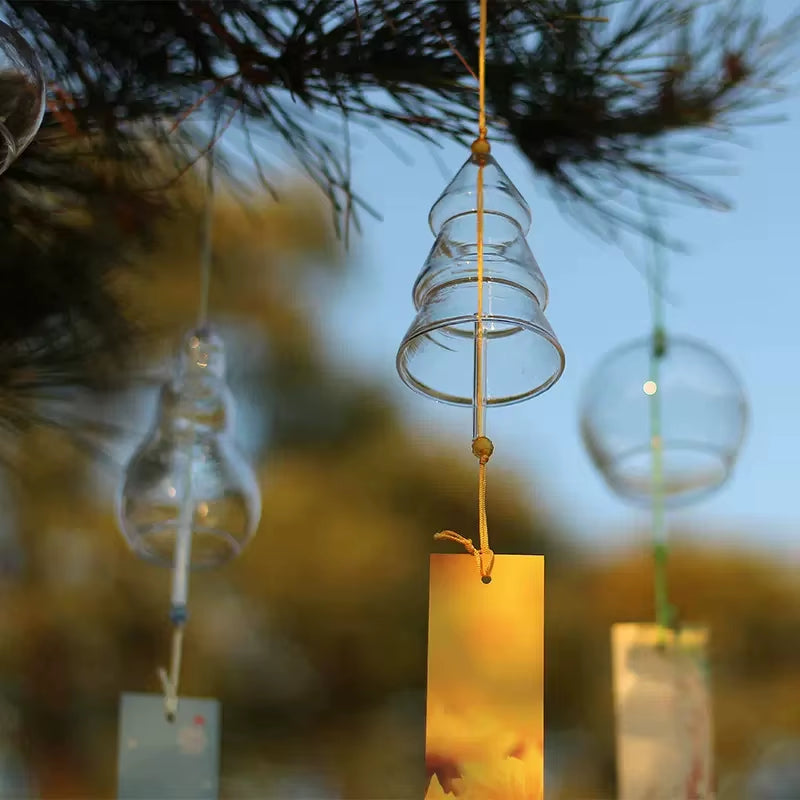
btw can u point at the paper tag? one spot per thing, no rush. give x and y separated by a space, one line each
663 710
168 761
484 726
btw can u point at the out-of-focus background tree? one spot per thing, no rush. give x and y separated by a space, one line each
314 640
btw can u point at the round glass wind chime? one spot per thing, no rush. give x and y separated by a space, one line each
22 95
663 419
190 499
480 337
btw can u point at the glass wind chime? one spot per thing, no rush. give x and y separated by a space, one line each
480 337
22 95
190 499
663 420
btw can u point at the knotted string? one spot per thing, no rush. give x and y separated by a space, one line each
482 446
169 680
484 556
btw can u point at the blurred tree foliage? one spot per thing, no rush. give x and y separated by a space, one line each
591 91
315 639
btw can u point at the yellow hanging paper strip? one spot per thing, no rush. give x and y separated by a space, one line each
484 727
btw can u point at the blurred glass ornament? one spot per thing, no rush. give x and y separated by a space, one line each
190 465
703 417
22 95
522 354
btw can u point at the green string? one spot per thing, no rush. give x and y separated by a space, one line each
660 546
665 614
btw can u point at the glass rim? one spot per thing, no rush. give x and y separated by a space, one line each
622 486
473 212
138 544
457 400
420 299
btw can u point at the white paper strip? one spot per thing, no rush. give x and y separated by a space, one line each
663 712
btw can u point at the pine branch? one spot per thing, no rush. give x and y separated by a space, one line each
71 214
580 97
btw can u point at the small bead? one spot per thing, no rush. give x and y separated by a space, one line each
486 579
481 147
178 615
482 447
659 343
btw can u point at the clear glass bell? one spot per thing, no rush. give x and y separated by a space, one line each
522 354
22 95
190 456
703 417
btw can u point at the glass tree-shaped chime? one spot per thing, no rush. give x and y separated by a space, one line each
22 95
190 499
480 337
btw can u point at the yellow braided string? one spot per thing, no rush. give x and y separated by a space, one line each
482 446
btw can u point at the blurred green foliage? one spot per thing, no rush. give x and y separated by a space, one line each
315 639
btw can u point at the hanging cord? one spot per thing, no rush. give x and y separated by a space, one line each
178 613
207 252
482 446
169 681
665 613
482 72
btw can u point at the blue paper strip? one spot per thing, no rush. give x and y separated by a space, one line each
159 760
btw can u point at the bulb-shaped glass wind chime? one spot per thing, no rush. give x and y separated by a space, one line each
663 419
190 499
480 337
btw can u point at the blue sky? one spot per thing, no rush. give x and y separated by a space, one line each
737 289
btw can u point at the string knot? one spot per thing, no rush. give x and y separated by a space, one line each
169 680
668 628
484 557
659 342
